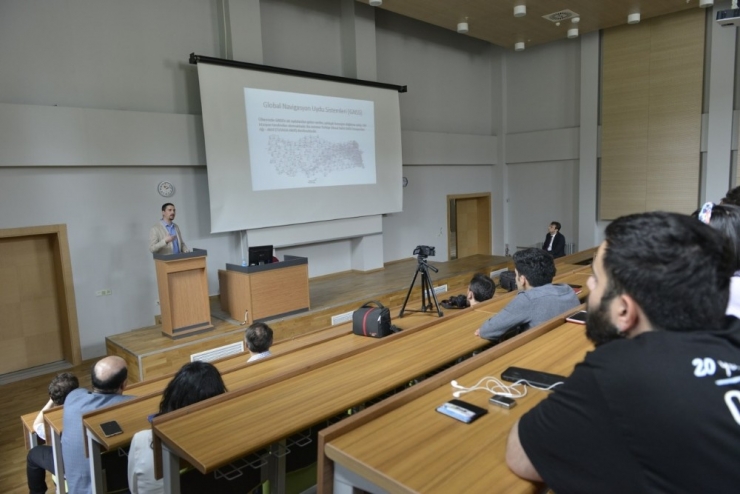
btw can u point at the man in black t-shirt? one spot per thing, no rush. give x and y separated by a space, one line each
656 406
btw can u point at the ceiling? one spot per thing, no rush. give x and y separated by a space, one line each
494 21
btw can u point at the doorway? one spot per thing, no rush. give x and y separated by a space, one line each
468 225
38 318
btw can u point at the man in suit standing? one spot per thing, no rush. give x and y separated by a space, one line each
165 236
554 241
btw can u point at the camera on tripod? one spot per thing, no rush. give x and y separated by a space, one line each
424 251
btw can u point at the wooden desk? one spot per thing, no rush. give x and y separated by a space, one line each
267 291
29 434
403 445
297 403
132 415
54 422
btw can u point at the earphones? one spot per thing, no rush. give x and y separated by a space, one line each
496 387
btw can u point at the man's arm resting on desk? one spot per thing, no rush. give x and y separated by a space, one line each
514 314
517 459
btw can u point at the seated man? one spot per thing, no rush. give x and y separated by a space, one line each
59 388
538 299
259 339
554 241
109 380
481 288
656 406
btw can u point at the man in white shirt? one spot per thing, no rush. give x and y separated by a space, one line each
259 339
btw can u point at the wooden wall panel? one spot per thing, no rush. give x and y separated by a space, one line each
674 133
624 120
651 115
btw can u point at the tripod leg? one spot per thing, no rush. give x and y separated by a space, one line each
403 307
432 295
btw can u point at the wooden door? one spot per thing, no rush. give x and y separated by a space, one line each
31 308
469 218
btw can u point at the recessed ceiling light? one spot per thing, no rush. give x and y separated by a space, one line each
573 33
519 46
706 3
462 27
633 18
575 20
520 10
376 3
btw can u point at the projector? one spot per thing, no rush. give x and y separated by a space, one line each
729 17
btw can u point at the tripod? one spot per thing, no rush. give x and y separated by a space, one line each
427 290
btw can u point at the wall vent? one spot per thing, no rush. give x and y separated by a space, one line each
217 353
341 318
560 15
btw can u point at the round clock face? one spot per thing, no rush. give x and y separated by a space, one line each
405 181
166 189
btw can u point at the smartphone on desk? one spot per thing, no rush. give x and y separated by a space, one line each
111 428
577 317
461 410
537 379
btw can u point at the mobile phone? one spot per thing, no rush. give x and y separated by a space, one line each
461 410
577 317
502 401
531 377
111 428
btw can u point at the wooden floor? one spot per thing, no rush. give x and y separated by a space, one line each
19 398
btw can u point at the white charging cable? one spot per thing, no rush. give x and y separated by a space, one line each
496 387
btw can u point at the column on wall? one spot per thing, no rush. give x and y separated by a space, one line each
651 115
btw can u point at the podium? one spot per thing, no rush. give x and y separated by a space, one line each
267 291
183 293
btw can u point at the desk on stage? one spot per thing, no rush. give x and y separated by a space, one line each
256 293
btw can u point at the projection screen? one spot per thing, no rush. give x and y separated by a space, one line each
286 149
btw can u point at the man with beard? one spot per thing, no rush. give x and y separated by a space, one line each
656 406
165 236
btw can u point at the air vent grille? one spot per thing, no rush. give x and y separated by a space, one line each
560 16
217 353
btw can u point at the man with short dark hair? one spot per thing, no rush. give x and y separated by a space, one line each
59 388
481 288
554 241
656 406
259 339
538 299
165 236
109 380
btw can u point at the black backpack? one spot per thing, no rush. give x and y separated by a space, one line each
507 280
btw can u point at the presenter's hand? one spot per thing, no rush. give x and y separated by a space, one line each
477 332
169 238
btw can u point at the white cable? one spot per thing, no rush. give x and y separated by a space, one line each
496 387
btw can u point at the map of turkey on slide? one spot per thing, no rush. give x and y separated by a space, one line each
312 156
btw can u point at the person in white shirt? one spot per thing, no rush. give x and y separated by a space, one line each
259 340
59 388
194 382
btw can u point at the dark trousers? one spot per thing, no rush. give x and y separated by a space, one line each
40 459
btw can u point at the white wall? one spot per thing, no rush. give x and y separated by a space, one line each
424 217
108 212
531 186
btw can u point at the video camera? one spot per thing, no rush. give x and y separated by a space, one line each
424 251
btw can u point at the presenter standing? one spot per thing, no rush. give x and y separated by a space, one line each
165 236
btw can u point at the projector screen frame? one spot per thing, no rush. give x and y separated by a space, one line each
196 59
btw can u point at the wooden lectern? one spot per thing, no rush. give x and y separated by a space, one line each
183 293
